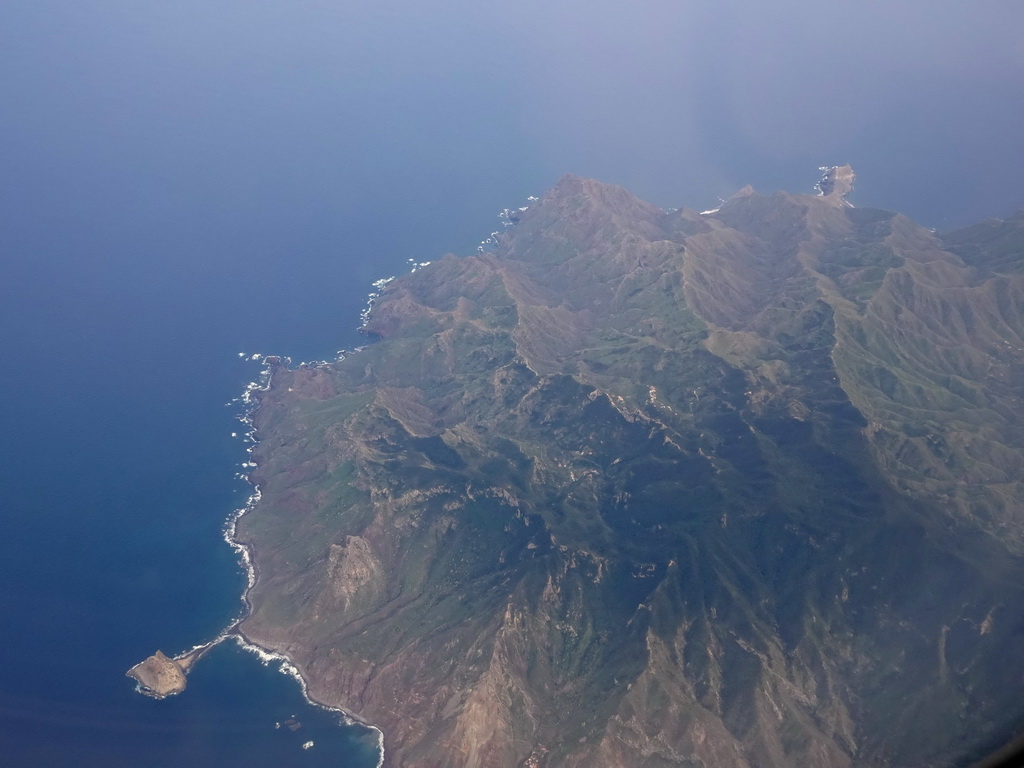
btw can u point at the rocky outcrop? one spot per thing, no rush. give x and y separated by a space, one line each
836 184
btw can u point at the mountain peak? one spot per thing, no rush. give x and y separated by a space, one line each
594 191
577 205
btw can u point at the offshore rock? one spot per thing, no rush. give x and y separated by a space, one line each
837 183
159 676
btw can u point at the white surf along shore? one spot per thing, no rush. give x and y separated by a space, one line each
233 631
249 402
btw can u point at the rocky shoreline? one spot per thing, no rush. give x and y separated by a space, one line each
160 676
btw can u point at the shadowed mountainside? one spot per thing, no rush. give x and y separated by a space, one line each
648 488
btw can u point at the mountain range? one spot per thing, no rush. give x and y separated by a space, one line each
637 487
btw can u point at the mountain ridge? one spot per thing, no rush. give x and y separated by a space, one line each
662 488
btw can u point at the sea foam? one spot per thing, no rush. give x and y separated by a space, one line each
233 631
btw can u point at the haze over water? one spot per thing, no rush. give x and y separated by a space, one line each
183 183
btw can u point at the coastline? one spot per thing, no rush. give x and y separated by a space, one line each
250 402
246 555
161 676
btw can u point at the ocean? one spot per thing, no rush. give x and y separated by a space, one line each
120 470
184 182
168 202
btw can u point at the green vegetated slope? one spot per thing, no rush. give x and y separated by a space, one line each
647 488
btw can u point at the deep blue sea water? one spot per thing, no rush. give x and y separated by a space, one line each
179 185
119 471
